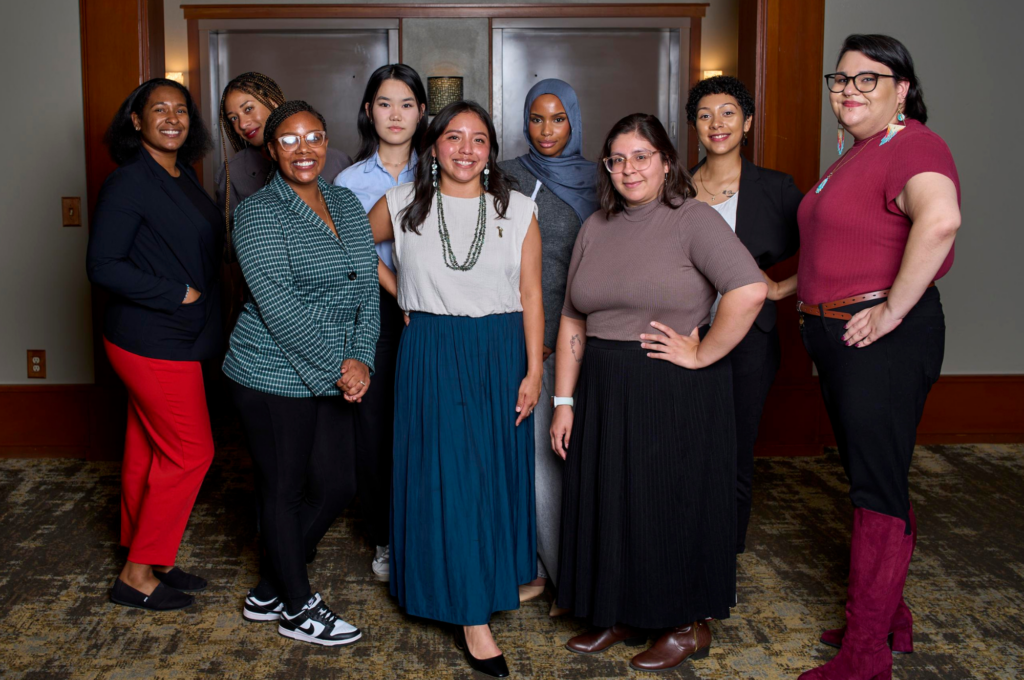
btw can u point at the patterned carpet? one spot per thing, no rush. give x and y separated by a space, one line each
58 529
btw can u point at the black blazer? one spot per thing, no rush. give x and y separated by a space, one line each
148 241
766 222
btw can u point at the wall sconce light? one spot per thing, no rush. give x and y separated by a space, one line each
176 76
711 74
442 91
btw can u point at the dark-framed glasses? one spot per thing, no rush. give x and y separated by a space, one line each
291 142
641 160
863 82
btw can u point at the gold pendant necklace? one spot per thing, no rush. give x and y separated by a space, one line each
724 191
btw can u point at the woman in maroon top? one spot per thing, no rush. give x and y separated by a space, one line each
875 234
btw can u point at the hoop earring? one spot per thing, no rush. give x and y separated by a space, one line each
433 172
487 177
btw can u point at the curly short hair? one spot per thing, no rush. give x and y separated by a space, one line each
285 111
124 141
719 85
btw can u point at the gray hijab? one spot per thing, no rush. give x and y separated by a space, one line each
569 176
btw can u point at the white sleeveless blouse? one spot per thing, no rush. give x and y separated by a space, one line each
426 284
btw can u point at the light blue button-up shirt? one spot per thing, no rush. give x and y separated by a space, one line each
368 180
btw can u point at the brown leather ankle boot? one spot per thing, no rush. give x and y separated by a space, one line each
600 640
675 647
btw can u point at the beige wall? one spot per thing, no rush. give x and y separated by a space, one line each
968 57
45 302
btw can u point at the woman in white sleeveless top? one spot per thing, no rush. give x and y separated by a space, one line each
468 257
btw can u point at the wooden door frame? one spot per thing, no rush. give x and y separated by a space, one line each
693 11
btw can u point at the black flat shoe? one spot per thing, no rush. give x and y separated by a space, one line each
181 580
163 598
494 667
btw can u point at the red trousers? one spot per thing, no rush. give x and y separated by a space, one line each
167 450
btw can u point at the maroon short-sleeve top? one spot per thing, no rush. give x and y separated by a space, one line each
852 234
653 263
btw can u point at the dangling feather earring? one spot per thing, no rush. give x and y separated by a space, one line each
840 139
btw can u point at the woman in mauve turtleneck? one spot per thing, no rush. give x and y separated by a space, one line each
648 506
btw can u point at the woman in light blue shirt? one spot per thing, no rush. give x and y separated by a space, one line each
392 120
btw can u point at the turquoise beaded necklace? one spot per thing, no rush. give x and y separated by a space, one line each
478 238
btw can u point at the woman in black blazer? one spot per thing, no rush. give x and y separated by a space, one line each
156 246
760 205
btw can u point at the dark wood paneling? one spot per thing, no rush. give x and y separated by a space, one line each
60 421
695 75
122 46
443 10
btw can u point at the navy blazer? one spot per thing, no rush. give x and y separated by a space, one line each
148 242
766 222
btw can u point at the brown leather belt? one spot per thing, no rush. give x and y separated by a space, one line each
823 310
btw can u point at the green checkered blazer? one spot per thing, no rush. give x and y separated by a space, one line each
314 298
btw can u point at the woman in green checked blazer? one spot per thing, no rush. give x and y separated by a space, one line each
301 354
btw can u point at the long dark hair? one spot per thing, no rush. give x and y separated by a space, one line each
368 138
258 86
678 185
124 141
414 214
891 52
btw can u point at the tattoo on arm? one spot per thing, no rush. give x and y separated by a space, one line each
574 343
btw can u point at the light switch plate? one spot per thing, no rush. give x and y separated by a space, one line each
72 211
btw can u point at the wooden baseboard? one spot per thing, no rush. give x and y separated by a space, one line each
87 421
61 421
961 409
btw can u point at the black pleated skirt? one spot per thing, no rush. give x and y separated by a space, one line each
649 491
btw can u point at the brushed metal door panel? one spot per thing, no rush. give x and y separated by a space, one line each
615 72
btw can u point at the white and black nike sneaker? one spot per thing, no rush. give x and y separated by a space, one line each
258 610
316 623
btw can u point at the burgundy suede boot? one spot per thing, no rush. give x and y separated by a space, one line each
877 569
901 628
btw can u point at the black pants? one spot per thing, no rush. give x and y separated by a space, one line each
755 361
875 396
303 454
375 425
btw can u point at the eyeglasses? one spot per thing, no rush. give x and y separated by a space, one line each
863 82
291 142
641 160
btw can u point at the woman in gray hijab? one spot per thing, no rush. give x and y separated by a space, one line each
563 184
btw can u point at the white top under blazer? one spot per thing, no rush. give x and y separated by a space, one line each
426 284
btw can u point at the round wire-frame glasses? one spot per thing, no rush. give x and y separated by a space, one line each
641 160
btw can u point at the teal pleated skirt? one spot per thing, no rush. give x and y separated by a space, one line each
463 527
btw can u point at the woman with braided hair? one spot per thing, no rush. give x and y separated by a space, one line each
244 107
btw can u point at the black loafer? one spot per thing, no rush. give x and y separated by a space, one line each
494 667
163 598
181 580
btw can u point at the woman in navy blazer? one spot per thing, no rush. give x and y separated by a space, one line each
156 246
760 205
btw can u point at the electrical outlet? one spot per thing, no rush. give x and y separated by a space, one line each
37 363
72 209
